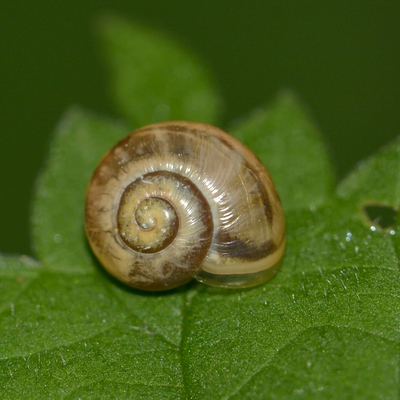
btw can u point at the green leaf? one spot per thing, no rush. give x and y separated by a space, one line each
286 339
289 145
327 326
64 334
155 79
16 274
376 180
372 193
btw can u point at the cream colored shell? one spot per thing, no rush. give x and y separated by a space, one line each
178 200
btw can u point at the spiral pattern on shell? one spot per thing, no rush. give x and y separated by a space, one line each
178 200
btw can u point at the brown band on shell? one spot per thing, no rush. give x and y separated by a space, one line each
248 251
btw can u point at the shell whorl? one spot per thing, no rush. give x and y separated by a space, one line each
178 200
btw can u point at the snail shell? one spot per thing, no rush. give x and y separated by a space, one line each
178 200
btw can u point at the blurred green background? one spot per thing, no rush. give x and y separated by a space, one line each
342 58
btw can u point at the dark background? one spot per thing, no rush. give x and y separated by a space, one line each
342 58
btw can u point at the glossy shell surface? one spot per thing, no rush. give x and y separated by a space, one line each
178 200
